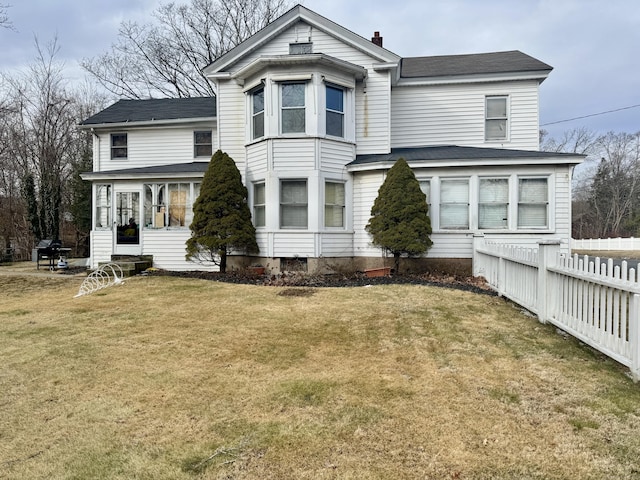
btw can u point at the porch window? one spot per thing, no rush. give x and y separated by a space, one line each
334 203
496 118
533 202
454 204
335 111
257 113
119 149
155 208
178 203
293 204
103 206
493 203
259 218
202 144
293 107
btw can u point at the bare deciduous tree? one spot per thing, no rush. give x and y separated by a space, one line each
5 21
165 58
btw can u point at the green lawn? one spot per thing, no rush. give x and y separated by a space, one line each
167 378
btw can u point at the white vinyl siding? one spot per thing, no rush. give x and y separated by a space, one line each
455 115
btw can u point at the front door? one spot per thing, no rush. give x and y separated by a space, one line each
127 238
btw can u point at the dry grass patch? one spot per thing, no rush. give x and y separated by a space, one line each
174 378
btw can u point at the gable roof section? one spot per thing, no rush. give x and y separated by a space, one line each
163 110
453 155
300 13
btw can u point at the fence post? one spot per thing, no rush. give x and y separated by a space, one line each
634 335
547 253
478 241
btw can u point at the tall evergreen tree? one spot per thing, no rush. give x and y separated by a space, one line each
400 222
221 217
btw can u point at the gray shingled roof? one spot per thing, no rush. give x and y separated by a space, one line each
125 111
453 152
473 64
157 170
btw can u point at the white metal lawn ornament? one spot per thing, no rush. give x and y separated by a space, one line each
105 276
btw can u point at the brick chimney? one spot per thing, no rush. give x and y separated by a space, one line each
377 39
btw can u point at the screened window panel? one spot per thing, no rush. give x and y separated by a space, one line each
293 204
454 204
496 129
532 190
293 95
334 204
492 215
530 215
494 190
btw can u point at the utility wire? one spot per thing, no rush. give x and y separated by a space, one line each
591 115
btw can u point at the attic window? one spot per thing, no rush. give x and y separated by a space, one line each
300 48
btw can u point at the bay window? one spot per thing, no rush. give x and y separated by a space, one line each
257 113
335 111
293 204
259 217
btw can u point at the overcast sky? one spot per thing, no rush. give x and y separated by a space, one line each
593 45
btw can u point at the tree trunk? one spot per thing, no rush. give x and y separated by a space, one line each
396 263
223 261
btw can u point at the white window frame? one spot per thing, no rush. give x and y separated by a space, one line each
462 202
493 203
256 114
330 208
197 146
290 108
541 204
103 205
259 206
285 205
333 112
491 118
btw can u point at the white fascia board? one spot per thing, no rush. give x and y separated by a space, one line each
476 162
480 78
150 123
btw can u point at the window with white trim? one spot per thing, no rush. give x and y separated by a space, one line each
493 203
119 148
533 202
257 113
454 204
425 186
103 206
293 204
334 111
259 213
169 204
292 118
334 204
202 143
496 119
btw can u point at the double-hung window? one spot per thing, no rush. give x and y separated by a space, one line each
533 195
496 118
259 218
119 150
493 203
293 107
335 111
202 144
257 113
454 204
334 204
425 186
293 204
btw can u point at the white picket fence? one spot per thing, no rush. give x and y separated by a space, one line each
606 243
596 302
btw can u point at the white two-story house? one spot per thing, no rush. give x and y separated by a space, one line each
314 115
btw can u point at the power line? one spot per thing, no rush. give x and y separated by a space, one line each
591 115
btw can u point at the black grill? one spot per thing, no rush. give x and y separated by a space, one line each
50 250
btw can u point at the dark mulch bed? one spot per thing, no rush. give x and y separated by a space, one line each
295 279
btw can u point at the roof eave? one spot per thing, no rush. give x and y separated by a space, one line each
108 176
539 75
148 123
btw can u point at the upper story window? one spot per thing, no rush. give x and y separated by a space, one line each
493 203
259 218
454 204
119 146
202 144
496 118
335 111
334 203
257 113
300 48
293 107
533 201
